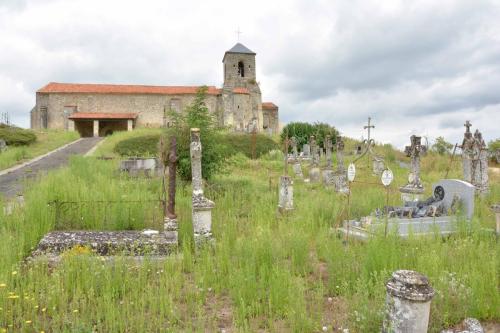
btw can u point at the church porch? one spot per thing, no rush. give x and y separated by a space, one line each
101 124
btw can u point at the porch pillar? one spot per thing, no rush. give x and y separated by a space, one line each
96 128
130 124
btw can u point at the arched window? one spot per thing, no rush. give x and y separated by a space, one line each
241 69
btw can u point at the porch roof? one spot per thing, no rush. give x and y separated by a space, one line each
92 115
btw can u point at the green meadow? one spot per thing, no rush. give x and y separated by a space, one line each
264 273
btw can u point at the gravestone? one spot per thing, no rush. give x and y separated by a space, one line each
314 172
306 151
475 160
427 217
202 207
328 171
3 145
340 175
295 152
285 196
137 165
413 190
378 165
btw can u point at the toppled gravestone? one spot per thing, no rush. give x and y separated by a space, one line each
434 214
107 243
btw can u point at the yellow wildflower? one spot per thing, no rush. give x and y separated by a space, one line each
43 310
75 311
28 321
13 296
3 285
14 272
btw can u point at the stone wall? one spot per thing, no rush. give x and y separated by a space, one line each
149 107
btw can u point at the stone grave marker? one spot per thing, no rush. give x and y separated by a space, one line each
202 207
170 224
3 145
285 199
414 189
475 160
314 172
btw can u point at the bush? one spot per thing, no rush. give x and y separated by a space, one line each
302 132
214 152
15 136
242 143
441 146
146 145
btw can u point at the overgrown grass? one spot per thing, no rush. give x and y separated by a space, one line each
46 141
265 272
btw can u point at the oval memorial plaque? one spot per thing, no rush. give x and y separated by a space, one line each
351 172
387 177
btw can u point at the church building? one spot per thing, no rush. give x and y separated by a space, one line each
101 109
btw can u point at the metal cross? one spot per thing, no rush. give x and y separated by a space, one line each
369 127
238 33
467 125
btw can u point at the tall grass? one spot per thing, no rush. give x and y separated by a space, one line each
265 272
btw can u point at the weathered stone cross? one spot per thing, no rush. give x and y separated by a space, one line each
467 126
238 33
369 127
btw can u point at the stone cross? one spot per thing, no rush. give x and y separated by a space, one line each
467 126
172 169
328 147
369 127
414 151
340 155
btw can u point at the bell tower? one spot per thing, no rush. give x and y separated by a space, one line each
241 93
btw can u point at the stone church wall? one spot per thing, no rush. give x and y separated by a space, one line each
149 107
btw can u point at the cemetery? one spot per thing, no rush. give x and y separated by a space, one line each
291 240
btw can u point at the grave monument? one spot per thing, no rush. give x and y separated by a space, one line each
414 189
475 159
202 207
340 175
314 172
285 200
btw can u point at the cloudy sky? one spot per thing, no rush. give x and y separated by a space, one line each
415 67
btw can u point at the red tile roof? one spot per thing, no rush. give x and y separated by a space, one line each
241 91
68 88
90 115
269 106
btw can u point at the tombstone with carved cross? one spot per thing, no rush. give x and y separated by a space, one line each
414 189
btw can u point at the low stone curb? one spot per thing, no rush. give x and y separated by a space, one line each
36 159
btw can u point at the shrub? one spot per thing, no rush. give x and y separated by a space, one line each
441 146
242 143
214 152
15 136
302 132
146 145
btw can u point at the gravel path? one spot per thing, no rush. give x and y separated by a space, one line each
12 183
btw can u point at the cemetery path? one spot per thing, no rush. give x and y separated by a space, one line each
12 182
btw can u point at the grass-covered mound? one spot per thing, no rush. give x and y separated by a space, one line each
15 136
145 145
233 143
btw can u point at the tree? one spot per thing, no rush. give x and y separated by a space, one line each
302 131
441 146
494 145
197 115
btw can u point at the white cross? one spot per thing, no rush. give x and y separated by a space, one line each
238 33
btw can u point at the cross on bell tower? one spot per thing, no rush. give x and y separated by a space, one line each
369 127
238 33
